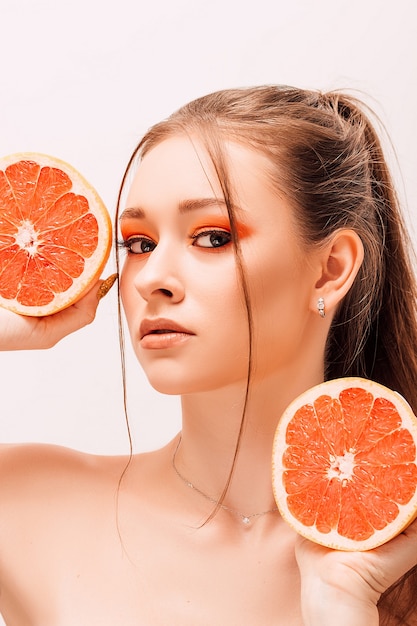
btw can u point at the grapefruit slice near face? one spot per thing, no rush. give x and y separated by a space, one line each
55 234
345 464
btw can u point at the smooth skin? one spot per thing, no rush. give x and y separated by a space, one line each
75 548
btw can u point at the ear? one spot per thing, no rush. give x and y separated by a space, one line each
339 263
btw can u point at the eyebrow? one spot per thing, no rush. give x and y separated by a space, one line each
185 206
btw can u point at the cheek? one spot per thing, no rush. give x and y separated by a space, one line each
271 280
279 296
123 285
128 293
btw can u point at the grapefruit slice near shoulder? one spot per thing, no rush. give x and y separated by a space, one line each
55 234
345 464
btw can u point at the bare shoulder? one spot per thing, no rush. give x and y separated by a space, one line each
59 527
29 466
41 482
47 481
53 501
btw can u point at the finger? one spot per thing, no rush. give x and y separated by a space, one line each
74 317
400 554
106 285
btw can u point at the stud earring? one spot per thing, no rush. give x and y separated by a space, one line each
321 307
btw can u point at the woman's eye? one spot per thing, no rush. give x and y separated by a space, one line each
212 239
139 245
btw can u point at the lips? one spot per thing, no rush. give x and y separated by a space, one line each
161 326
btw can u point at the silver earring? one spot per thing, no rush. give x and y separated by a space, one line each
321 307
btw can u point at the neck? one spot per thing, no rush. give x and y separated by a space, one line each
211 425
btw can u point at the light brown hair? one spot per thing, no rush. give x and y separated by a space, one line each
326 159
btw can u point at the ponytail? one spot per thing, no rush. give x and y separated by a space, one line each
327 160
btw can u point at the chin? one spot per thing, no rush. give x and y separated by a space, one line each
178 378
167 388
177 386
171 382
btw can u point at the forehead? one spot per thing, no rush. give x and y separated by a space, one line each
179 167
172 167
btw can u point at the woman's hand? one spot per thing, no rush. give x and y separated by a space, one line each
19 332
343 588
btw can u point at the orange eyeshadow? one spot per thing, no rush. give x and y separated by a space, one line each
218 221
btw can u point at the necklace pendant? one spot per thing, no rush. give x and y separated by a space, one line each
245 518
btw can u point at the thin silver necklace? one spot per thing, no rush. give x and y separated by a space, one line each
246 519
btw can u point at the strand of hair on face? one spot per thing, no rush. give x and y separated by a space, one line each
217 158
122 353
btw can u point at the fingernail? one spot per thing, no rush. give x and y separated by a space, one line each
106 285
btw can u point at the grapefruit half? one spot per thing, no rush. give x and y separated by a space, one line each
344 464
55 234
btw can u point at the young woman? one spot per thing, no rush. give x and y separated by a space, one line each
265 252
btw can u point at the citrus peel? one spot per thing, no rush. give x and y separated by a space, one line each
345 466
55 234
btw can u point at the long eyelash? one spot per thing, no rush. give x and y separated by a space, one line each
210 232
122 244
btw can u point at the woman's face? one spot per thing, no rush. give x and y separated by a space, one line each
180 284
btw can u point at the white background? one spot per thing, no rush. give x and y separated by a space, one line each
82 80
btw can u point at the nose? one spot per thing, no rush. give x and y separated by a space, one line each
160 275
